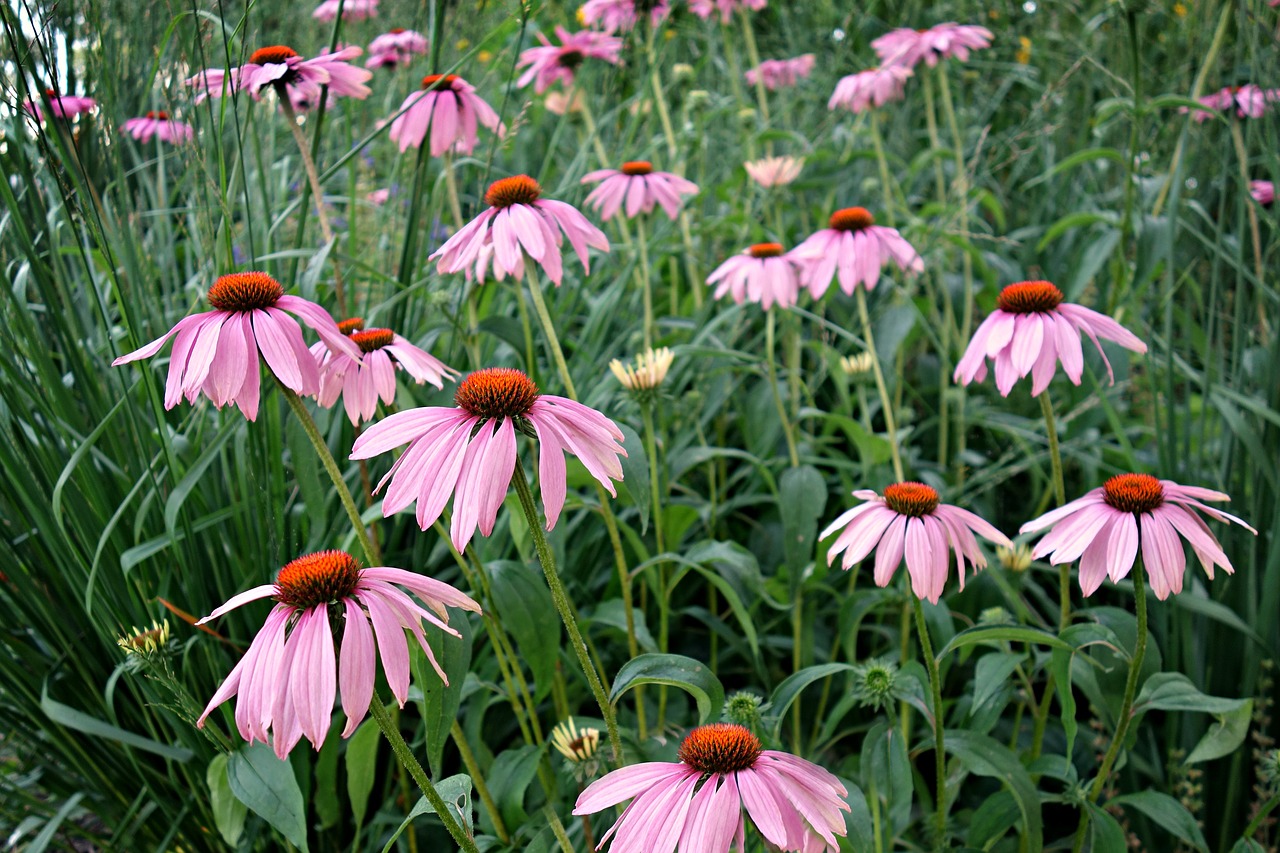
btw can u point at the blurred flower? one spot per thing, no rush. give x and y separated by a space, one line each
761 274
873 88
909 47
352 10
577 745
451 109
216 353
292 76
517 222
379 197
158 124
551 63
781 73
64 106
1249 101
1023 56
857 365
287 685
774 171
362 383
1263 192
143 641
558 102
855 248
682 71
698 802
1104 529
649 371
875 682
636 184
1030 331
909 520
395 48
470 451
1015 558
620 15
725 8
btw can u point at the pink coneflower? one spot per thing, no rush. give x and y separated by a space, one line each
470 451
550 63
352 10
378 197
636 184
288 679
908 520
1030 331
774 171
1104 529
873 88
612 16
281 67
517 222
760 274
362 383
1263 192
781 73
159 124
1249 101
855 248
909 47
725 8
62 106
450 107
395 48
216 353
698 801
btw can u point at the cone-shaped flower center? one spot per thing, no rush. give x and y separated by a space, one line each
350 325
571 59
244 291
159 115
496 392
1133 492
852 219
395 31
432 79
636 167
765 250
51 93
273 55
315 579
519 189
720 748
372 339
911 498
1029 297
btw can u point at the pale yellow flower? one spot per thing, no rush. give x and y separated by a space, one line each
577 745
144 640
650 369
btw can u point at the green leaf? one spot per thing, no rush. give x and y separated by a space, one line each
802 497
228 812
786 692
613 614
1106 834
456 793
1225 736
325 794
991 820
1061 662
523 601
985 756
886 773
268 787
440 701
306 468
674 671
310 278
195 474
1167 813
362 764
1001 633
1173 691
992 673
45 838
509 777
65 715
1079 219
635 474
858 825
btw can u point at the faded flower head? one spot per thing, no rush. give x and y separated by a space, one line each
145 641
1016 558
578 745
743 709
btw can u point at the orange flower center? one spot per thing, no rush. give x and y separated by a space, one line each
159 115
51 93
852 219
395 31
1133 492
244 291
496 392
432 79
315 579
351 324
1029 297
372 339
273 55
720 748
765 250
636 167
911 498
520 189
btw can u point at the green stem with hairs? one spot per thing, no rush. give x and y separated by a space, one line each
482 789
664 604
772 367
407 760
1060 495
565 608
646 286
940 756
886 403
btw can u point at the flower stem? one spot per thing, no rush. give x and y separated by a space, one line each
1126 706
646 286
886 404
1237 138
313 177
772 366
664 603
548 328
371 554
1060 495
753 56
940 756
563 606
882 162
410 763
